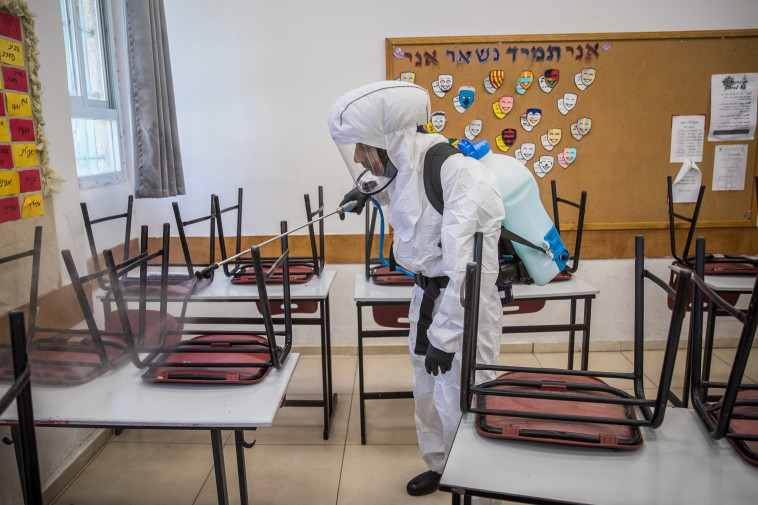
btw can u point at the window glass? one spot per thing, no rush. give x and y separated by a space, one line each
94 113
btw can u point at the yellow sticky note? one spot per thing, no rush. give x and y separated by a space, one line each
9 183
25 155
11 53
18 104
32 206
5 135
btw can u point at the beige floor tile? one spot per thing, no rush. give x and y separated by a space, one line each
307 377
129 473
386 373
598 361
281 475
168 436
526 359
378 474
388 421
751 371
305 425
654 360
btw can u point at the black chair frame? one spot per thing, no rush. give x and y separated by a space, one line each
181 224
66 355
374 268
718 412
652 409
316 261
23 434
160 356
581 206
88 222
686 259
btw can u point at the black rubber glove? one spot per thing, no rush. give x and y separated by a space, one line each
436 359
354 195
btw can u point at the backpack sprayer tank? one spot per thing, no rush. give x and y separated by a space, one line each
524 213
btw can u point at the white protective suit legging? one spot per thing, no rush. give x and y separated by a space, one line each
437 397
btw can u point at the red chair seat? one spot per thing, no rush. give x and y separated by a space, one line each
152 328
299 274
177 366
563 432
747 449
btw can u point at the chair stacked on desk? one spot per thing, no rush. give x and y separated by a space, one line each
90 232
569 406
224 350
714 264
733 413
77 355
209 219
181 283
581 206
302 268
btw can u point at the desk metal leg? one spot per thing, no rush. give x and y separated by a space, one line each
572 334
586 334
218 465
239 446
331 396
361 398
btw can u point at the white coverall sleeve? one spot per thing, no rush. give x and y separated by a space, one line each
472 203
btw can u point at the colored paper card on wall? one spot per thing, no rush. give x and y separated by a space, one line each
19 105
9 183
25 155
21 129
6 157
2 105
9 209
11 53
32 206
10 26
29 180
5 135
15 79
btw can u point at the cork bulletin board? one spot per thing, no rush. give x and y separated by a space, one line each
591 111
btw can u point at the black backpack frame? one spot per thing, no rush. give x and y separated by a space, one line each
512 268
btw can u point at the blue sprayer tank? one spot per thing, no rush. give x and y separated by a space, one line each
524 214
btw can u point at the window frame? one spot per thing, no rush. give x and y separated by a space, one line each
82 107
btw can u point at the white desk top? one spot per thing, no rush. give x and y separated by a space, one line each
223 289
122 399
678 463
733 283
368 291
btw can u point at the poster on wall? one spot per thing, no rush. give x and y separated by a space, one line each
527 100
25 175
734 106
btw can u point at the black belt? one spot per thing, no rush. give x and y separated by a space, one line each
432 287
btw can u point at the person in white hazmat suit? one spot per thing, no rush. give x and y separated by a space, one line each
375 129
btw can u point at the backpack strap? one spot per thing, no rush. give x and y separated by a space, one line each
433 161
508 234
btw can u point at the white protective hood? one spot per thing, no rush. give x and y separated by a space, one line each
386 114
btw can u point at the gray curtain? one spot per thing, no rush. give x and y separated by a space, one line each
158 161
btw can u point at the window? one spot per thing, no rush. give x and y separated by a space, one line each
94 103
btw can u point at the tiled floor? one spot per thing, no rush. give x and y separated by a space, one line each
290 463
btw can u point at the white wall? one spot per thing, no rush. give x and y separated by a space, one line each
253 84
